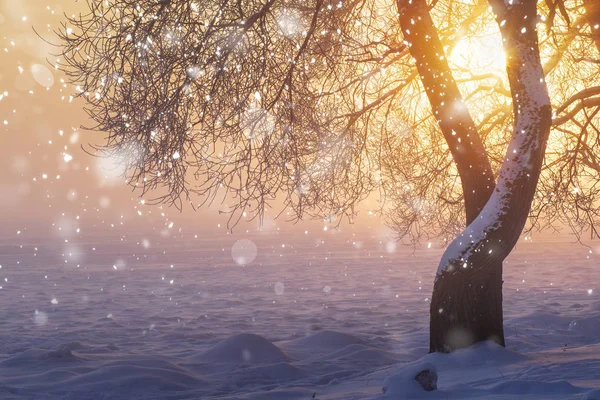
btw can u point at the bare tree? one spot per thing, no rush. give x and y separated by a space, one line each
312 105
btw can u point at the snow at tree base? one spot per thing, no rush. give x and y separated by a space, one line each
300 199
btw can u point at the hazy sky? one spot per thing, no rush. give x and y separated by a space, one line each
47 182
45 172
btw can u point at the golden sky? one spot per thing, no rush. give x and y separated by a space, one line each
47 182
45 172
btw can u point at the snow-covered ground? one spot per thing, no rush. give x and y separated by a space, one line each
309 318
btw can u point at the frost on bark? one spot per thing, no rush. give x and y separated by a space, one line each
460 133
466 305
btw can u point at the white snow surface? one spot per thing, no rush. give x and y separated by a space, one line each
220 331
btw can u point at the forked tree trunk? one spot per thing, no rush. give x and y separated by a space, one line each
466 305
473 165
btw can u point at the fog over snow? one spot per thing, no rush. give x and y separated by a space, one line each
324 315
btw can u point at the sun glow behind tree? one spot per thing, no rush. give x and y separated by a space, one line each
349 72
443 110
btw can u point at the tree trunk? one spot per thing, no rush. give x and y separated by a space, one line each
466 308
448 107
477 178
466 305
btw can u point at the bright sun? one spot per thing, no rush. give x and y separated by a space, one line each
481 53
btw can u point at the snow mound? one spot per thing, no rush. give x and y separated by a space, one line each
330 340
244 348
410 382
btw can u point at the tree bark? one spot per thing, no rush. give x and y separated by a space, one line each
466 305
448 107
472 162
